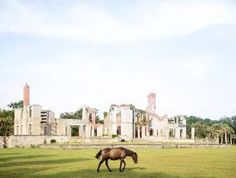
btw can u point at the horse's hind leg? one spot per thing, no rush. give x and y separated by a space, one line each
99 165
107 165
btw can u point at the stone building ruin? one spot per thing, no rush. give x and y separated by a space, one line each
124 121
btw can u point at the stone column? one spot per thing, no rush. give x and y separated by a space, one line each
143 132
167 133
148 129
177 133
192 133
78 130
138 132
87 131
226 139
92 131
184 133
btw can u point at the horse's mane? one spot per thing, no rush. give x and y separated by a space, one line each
127 151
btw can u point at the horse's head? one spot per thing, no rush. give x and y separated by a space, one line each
135 157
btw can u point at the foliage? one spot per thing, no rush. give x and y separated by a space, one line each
6 126
97 118
53 141
7 119
74 115
231 121
74 131
114 136
211 128
201 130
141 117
105 114
100 121
15 105
34 146
6 122
6 113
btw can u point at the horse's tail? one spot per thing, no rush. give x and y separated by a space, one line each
98 154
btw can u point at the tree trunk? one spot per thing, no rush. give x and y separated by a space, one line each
4 141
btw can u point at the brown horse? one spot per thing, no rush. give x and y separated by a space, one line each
115 154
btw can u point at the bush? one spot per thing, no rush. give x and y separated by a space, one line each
53 141
122 140
114 136
45 141
34 146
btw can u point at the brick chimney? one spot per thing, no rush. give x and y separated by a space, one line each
152 102
26 95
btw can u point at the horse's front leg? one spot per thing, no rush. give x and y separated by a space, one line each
121 164
99 165
107 165
124 165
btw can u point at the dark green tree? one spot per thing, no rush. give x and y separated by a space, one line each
231 121
14 105
74 115
6 124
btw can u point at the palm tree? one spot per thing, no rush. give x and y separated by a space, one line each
227 131
222 131
217 132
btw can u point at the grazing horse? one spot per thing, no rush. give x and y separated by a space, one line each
115 154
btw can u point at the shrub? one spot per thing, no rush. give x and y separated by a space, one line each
34 146
114 136
53 141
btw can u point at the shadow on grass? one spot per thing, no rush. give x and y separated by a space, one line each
41 162
13 158
6 154
135 172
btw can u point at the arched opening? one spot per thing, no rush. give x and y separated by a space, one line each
151 132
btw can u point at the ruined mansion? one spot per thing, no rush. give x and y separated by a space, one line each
123 121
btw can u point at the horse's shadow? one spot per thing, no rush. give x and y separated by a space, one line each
136 168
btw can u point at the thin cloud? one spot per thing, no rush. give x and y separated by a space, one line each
88 23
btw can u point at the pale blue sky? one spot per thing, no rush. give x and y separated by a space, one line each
96 53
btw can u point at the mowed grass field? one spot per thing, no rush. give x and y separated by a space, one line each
170 163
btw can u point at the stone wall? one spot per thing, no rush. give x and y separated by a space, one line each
28 140
177 140
153 145
1 142
93 140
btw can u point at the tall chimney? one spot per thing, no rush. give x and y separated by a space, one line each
152 102
26 100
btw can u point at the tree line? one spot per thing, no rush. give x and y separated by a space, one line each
207 128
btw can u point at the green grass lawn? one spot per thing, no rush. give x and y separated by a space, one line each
204 162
